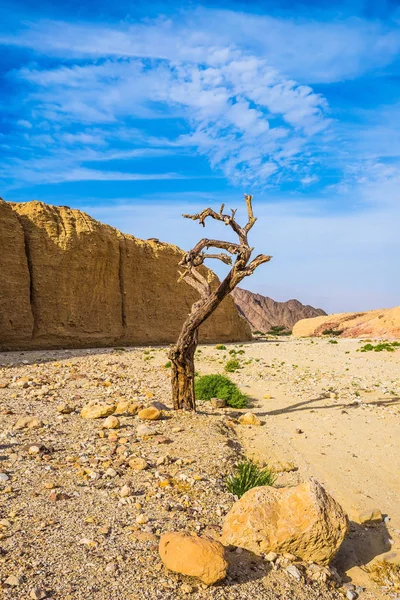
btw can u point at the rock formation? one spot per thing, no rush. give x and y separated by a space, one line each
383 323
262 312
70 281
303 520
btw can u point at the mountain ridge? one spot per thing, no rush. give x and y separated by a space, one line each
262 312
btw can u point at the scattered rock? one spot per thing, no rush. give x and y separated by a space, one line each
294 572
149 414
14 581
111 422
218 403
142 519
144 430
127 407
195 556
27 422
97 411
4 477
37 593
283 467
303 520
249 419
125 491
138 464
370 516
65 409
159 405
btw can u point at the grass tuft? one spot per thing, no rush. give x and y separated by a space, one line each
232 365
248 475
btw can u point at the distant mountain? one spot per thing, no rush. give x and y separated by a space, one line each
262 312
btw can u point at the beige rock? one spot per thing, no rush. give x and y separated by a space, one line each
65 409
138 464
127 407
28 422
218 403
125 491
149 414
111 422
373 515
195 556
303 520
97 411
249 419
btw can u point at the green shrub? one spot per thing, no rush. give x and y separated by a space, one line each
332 342
279 330
332 332
168 365
232 365
220 347
219 386
389 346
248 475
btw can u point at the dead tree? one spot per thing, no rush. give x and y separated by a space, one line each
182 353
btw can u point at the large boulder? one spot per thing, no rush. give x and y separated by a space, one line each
303 520
195 556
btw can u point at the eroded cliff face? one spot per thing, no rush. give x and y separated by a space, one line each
16 319
382 323
70 281
262 312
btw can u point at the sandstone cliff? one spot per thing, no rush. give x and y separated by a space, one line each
262 312
70 281
383 323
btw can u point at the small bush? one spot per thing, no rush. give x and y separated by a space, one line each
232 365
333 342
388 346
220 347
332 332
219 386
248 475
168 365
279 330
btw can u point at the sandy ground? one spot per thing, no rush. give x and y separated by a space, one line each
346 405
331 411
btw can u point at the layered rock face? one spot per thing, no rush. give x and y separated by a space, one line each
70 281
262 312
383 323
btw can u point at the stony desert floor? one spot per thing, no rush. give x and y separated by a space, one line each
76 521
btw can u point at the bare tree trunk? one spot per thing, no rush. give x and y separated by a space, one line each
182 359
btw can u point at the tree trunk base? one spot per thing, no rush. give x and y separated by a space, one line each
182 359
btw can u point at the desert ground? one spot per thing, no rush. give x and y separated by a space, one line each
77 521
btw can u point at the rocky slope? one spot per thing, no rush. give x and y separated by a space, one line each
382 323
262 312
70 281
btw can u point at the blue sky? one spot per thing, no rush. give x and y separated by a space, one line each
136 114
